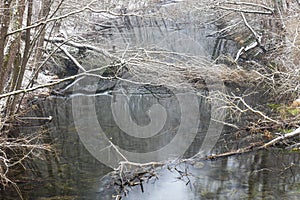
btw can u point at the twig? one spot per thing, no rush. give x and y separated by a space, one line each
72 59
297 145
246 11
81 46
117 150
65 16
226 124
35 118
250 4
38 87
156 164
253 44
221 32
236 152
245 49
257 111
256 35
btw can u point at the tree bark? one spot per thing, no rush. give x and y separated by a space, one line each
4 22
44 12
14 53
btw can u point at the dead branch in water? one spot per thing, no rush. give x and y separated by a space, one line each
250 148
257 146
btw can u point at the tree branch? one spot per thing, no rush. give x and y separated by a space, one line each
64 16
72 59
86 73
250 4
246 11
282 137
81 46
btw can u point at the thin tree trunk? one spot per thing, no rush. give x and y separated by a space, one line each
14 54
4 22
45 10
26 53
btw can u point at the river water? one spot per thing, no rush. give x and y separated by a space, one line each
73 170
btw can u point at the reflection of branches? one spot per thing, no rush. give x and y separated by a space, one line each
20 149
133 174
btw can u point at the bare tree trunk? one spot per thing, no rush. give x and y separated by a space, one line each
14 54
5 21
26 53
44 12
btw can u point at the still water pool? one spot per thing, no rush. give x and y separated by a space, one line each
71 172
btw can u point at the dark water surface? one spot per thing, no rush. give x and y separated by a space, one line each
73 173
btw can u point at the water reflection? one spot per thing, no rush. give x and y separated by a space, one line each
261 175
73 173
71 170
182 32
